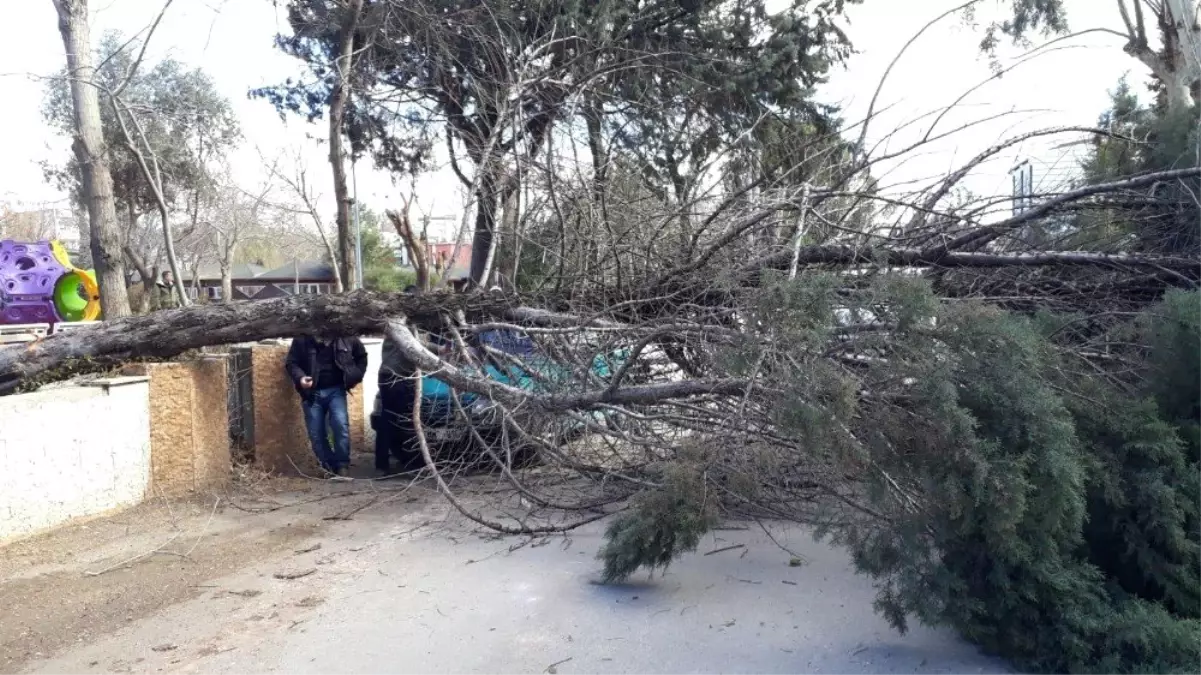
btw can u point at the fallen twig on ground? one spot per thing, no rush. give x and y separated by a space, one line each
137 557
290 576
726 548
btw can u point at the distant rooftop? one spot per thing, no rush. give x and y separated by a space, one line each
298 269
239 271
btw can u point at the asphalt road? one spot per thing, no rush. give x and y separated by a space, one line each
412 592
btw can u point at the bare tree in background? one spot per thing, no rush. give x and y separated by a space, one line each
416 243
302 190
236 215
92 155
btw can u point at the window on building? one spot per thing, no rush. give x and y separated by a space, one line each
213 292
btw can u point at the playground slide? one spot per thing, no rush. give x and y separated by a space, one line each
38 284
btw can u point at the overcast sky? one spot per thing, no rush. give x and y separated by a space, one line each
232 41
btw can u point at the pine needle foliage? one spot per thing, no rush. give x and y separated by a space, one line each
662 524
1007 483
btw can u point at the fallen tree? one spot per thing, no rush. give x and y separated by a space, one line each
165 334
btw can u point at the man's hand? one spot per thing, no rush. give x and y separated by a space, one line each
306 383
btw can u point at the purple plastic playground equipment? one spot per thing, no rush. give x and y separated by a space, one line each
28 273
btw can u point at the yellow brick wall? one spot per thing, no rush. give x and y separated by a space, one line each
280 443
210 378
189 425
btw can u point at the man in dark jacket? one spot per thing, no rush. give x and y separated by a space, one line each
323 369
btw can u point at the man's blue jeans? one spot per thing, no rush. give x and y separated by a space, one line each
318 406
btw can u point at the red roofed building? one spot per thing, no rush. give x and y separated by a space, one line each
439 257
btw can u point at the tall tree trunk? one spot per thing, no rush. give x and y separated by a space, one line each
172 261
148 274
484 241
1177 63
600 182
333 261
92 155
337 153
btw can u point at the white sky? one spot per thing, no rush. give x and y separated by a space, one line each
232 41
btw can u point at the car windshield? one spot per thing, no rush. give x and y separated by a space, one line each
508 341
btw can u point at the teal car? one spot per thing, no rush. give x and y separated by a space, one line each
448 434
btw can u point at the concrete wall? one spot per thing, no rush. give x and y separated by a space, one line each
189 424
71 452
375 350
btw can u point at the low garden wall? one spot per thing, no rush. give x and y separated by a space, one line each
160 430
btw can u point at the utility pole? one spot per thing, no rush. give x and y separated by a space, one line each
1023 186
358 232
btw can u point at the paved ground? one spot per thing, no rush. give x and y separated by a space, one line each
404 587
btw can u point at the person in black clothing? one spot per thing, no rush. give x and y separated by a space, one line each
324 369
398 393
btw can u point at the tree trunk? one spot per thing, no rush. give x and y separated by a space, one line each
92 155
414 244
484 240
510 258
1177 63
172 261
337 153
227 284
600 183
168 333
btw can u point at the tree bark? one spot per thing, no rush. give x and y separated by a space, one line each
337 153
92 155
511 235
170 332
1177 63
